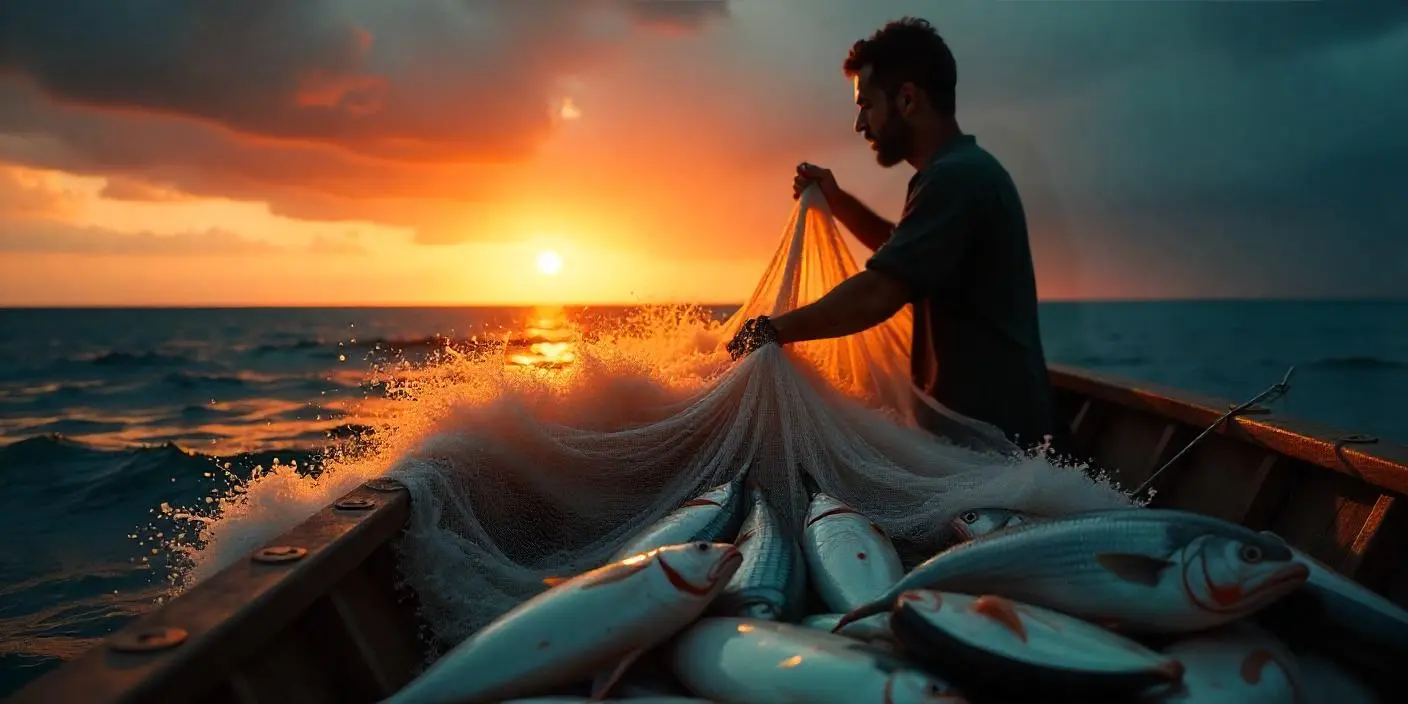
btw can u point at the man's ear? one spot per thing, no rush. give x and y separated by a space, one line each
907 99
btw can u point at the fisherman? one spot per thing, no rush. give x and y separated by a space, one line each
959 253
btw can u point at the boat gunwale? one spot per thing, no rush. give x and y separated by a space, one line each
232 614
1373 460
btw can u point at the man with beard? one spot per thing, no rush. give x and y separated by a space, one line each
959 253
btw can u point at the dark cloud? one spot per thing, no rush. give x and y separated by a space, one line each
1163 132
436 80
403 113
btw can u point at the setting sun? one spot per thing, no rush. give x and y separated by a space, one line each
549 263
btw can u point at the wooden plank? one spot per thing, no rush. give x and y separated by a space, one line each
229 617
1380 463
378 637
1324 513
1219 477
1128 445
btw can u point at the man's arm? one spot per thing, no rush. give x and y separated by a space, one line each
858 303
871 229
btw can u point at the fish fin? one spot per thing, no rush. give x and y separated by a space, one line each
1002 612
875 607
1140 569
603 684
553 581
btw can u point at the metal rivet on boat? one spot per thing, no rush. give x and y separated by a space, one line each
383 485
280 553
354 504
148 640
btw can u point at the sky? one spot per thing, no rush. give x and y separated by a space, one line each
349 152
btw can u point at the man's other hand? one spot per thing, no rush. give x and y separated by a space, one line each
807 174
754 333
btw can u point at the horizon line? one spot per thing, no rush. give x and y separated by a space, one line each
639 304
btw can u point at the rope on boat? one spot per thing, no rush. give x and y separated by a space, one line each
1271 394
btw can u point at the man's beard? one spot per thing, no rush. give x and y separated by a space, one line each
893 143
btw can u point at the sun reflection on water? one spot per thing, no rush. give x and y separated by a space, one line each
549 341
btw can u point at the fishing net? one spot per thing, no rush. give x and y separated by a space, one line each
545 474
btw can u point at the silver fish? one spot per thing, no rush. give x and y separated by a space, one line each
587 623
869 629
713 516
1138 569
1238 665
978 522
771 582
1332 601
850 560
1000 645
746 660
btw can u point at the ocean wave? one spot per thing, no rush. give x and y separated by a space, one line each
190 380
1357 363
93 477
1096 361
138 359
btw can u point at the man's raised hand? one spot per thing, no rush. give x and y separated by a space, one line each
807 174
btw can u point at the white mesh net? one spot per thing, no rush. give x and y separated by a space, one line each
540 475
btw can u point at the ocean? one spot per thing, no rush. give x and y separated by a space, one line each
107 415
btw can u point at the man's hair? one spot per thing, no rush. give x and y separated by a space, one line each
908 50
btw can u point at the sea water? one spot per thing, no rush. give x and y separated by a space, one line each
141 449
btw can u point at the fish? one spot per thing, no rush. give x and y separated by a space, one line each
991 644
712 516
750 660
849 559
1139 569
1332 602
771 583
978 522
870 629
1238 664
587 623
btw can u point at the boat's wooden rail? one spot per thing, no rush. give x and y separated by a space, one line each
1338 496
312 617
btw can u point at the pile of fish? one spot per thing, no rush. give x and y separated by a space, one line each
720 602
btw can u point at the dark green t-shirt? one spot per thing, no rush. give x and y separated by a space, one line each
961 248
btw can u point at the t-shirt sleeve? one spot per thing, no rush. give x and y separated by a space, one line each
927 245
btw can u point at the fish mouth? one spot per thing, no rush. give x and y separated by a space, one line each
1295 573
732 556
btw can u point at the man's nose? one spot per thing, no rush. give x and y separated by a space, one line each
860 123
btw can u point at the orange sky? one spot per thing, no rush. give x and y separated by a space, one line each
430 155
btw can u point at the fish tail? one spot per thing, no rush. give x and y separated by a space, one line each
875 607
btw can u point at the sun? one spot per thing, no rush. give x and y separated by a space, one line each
549 263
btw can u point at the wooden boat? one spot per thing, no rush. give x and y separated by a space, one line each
315 616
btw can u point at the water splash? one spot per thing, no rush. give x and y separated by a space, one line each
555 366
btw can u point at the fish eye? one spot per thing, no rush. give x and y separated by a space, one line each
1250 553
703 547
970 516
